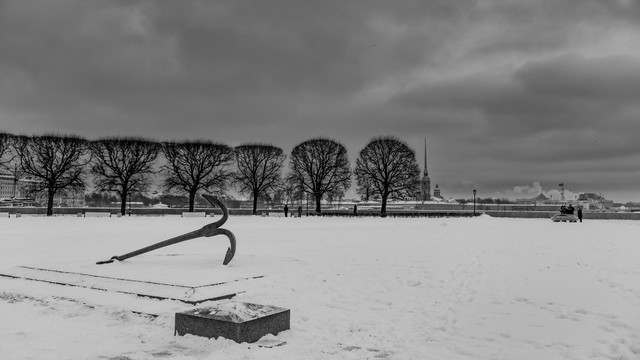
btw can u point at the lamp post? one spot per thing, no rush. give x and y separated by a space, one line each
474 202
130 194
307 204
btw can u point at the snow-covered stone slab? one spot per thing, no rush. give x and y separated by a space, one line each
234 320
276 214
191 292
114 301
194 214
4 215
97 214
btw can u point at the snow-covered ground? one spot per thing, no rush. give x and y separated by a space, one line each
358 288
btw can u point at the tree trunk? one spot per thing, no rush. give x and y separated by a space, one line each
51 194
383 208
192 200
123 203
318 205
255 204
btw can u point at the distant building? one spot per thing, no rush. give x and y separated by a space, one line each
425 182
62 198
21 190
9 187
594 201
540 199
436 192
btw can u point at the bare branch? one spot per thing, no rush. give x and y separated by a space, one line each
387 166
320 166
56 162
259 168
197 166
124 165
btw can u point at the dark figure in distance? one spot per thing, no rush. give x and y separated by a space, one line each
286 210
300 211
570 209
580 213
355 209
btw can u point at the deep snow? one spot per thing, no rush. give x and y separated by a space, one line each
358 288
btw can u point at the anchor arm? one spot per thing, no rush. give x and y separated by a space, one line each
231 251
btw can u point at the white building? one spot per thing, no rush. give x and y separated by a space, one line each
9 187
17 190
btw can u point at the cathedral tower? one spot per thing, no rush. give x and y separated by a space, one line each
425 183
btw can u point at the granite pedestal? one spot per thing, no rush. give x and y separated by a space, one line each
237 321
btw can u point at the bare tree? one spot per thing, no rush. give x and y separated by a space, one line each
123 165
6 143
56 162
388 166
197 166
292 191
259 169
320 166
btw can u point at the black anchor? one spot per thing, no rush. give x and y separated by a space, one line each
206 231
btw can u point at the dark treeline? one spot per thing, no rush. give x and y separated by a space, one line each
123 169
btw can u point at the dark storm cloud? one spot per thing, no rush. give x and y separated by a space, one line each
507 92
567 97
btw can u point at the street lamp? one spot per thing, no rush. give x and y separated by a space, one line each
474 202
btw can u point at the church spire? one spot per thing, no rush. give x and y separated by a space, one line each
426 172
425 183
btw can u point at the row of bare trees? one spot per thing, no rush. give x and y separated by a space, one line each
318 167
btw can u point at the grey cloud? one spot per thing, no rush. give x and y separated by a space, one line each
561 94
611 79
508 93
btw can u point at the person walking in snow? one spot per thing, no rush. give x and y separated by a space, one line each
286 210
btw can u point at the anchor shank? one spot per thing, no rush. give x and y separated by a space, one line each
161 244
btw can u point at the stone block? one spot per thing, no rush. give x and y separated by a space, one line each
97 214
194 214
237 321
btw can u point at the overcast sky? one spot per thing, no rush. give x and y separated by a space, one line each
514 97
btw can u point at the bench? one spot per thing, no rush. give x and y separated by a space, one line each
194 214
276 214
4 214
97 214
